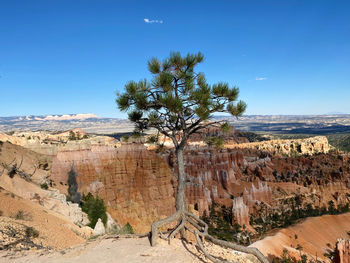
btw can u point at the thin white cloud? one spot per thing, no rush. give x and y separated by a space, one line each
260 78
148 21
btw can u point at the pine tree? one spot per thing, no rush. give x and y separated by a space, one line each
179 102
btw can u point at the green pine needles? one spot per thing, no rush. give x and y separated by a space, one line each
178 100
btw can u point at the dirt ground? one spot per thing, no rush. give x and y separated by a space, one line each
54 230
125 250
313 235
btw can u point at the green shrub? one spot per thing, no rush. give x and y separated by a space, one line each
136 135
44 186
214 141
72 136
125 138
152 139
21 215
31 232
126 229
95 208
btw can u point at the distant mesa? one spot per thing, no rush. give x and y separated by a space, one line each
65 117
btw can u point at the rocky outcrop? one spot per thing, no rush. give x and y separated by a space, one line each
342 251
50 199
240 211
111 225
35 166
99 228
307 146
51 143
250 198
41 226
16 236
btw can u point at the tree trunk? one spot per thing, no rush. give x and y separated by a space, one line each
180 195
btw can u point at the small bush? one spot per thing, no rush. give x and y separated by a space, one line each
126 229
136 135
20 215
215 141
93 237
152 139
31 232
72 136
125 138
95 208
44 186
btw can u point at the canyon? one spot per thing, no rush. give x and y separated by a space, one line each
255 180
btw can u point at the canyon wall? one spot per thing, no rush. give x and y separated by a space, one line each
135 184
138 185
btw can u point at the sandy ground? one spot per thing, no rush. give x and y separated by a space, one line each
54 230
313 235
125 250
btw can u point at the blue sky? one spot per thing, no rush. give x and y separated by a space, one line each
61 57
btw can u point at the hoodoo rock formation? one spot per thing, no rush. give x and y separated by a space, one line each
342 251
138 184
251 197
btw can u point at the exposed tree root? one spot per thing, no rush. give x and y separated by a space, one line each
156 225
196 226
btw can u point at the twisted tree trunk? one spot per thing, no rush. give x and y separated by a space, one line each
198 227
181 184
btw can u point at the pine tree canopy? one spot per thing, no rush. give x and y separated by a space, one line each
178 101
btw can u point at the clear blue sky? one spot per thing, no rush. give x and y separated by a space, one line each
60 57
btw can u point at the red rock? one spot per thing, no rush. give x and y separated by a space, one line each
342 251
